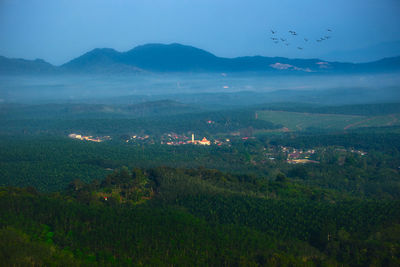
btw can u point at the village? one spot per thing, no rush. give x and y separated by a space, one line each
89 138
289 154
174 139
171 139
295 156
301 156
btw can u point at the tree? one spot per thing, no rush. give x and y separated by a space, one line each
280 177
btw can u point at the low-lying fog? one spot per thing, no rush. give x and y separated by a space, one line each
85 88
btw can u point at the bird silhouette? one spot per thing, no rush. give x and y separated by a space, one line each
278 38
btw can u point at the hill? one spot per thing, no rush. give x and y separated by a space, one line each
182 58
23 66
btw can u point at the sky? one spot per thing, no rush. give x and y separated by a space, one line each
58 31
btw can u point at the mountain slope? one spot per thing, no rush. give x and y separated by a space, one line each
99 60
181 58
23 66
173 57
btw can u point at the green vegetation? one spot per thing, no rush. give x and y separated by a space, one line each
200 217
68 202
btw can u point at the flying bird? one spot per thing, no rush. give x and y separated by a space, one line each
300 48
273 32
329 30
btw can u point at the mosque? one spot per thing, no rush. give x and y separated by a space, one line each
203 142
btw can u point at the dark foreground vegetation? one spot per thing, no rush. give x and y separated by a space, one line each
68 202
166 216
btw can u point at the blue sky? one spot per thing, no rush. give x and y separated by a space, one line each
59 30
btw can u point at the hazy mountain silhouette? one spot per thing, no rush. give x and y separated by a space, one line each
366 54
21 66
182 58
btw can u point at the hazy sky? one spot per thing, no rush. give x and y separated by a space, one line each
59 30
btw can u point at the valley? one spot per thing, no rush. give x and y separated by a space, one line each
200 133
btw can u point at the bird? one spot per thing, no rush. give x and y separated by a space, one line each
274 38
300 48
283 40
329 30
273 32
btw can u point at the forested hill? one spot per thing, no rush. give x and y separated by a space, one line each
182 58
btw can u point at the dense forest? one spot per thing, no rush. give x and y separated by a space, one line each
242 202
196 217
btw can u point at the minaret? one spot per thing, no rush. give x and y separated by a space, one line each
192 138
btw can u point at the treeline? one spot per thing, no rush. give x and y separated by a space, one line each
49 163
368 140
205 123
360 109
167 216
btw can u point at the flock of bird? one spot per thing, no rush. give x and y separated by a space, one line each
284 41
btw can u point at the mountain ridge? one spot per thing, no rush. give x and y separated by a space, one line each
182 58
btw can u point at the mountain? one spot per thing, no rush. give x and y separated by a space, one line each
366 54
23 66
392 63
173 57
99 60
181 58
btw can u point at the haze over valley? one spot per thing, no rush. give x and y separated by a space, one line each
199 133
